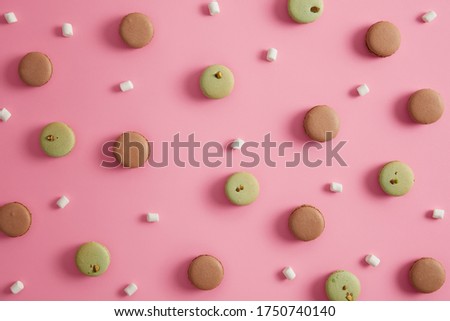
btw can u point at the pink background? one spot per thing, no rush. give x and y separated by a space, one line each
319 63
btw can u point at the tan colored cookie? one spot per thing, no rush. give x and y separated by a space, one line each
306 223
35 69
427 275
319 120
132 150
136 30
383 39
205 272
425 106
15 219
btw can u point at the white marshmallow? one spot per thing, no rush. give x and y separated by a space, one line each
336 187
429 16
130 289
372 260
152 217
62 202
67 30
237 143
438 213
289 273
272 54
126 85
10 17
5 114
363 90
214 8
17 287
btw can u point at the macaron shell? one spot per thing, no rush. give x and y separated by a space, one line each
305 11
206 272
57 139
35 69
242 188
306 223
15 219
427 275
129 155
425 106
383 39
319 121
214 86
342 286
90 256
136 30
396 178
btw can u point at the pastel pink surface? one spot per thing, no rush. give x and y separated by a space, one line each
318 63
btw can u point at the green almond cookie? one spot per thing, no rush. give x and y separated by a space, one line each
92 259
396 178
217 82
57 139
342 286
242 188
305 11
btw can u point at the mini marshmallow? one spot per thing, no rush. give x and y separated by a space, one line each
237 143
67 30
289 273
17 287
429 16
130 289
5 114
214 8
10 17
152 217
62 202
372 260
438 213
363 90
336 187
126 85
272 54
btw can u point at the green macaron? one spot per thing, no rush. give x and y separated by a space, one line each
396 178
305 11
92 259
242 188
342 286
216 82
57 139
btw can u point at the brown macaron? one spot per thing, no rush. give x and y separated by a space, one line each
383 39
306 223
205 272
136 30
427 275
321 123
15 219
35 69
132 150
425 106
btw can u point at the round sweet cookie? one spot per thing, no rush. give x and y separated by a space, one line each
132 150
425 106
306 223
57 139
396 178
205 272
427 275
15 219
35 69
321 123
136 30
92 259
242 188
216 82
383 39
342 286
305 11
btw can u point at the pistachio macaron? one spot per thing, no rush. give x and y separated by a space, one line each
216 82
92 259
396 178
305 11
242 188
57 139
342 286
